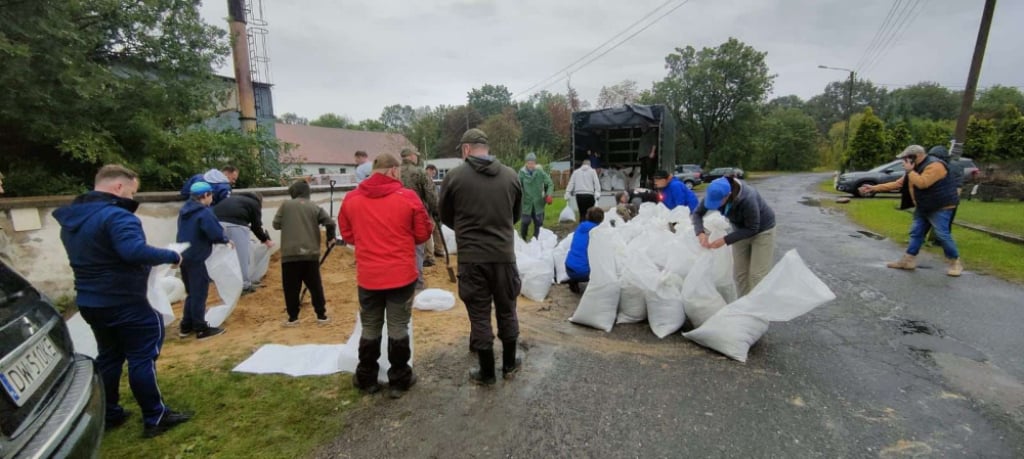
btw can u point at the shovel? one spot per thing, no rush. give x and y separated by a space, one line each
447 259
322 259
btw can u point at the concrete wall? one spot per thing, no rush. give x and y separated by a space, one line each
37 252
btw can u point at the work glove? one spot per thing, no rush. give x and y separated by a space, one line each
547 199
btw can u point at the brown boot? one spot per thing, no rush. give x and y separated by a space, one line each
955 267
908 262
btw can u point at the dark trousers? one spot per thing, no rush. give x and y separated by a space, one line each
134 333
481 284
374 306
647 165
197 289
538 221
584 202
293 275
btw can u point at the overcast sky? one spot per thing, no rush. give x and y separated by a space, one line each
356 57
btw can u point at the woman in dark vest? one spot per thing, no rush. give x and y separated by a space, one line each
930 188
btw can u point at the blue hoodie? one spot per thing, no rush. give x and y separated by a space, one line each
676 194
220 183
198 226
577 259
107 250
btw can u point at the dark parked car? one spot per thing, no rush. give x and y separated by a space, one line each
53 402
890 172
689 174
720 172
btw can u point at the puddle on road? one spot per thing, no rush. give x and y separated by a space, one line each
810 202
925 338
875 236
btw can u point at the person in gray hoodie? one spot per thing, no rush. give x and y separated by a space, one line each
299 221
220 180
481 200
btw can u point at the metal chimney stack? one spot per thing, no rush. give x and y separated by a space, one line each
243 73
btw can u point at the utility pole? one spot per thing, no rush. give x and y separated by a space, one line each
960 135
849 104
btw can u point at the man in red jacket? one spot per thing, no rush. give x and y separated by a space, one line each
385 222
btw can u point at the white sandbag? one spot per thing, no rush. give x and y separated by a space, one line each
700 296
721 262
632 304
173 288
570 202
157 296
434 299
548 239
536 275
349 357
682 249
559 255
567 215
654 248
449 239
787 292
680 214
259 260
599 305
665 311
227 275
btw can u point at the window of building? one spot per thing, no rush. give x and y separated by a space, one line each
342 170
323 170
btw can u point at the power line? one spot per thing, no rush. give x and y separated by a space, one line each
602 45
898 33
875 40
659 18
886 34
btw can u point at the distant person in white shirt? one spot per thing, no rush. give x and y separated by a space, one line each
585 186
363 166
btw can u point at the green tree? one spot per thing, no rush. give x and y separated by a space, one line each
425 130
624 92
923 100
397 118
1010 132
784 102
830 107
982 139
456 122
867 149
503 135
90 82
832 153
333 120
712 91
992 101
899 137
928 133
370 125
291 118
790 141
489 100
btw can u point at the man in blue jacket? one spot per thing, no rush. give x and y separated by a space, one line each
577 262
198 226
111 262
673 192
220 180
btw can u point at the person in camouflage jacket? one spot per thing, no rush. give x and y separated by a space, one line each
415 178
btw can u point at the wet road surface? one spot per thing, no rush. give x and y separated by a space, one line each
901 364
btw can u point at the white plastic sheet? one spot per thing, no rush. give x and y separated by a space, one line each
173 287
787 292
81 336
567 215
227 275
349 357
434 299
598 307
259 260
721 262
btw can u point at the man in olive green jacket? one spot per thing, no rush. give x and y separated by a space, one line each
415 178
537 189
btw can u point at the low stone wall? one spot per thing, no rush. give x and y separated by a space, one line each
30 237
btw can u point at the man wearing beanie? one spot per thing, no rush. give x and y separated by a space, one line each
386 222
415 179
753 235
537 188
481 200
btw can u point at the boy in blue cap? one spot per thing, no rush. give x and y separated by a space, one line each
198 226
753 224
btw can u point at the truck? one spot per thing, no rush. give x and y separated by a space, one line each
615 135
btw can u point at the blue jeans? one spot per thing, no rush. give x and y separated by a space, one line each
132 332
938 221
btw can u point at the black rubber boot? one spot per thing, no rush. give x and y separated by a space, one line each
485 374
365 378
400 375
510 364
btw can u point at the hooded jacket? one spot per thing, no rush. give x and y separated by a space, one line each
220 183
416 180
481 200
675 194
299 221
537 185
386 222
584 181
577 260
243 209
198 226
748 212
107 250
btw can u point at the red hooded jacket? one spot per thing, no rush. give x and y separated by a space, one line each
385 222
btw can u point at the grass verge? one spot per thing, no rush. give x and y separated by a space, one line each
237 415
980 252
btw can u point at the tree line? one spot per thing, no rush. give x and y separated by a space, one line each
92 82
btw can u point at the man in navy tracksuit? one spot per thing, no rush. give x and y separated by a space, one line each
111 262
198 226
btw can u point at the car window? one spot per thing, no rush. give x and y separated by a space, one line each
886 166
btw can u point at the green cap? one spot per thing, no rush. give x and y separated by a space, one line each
473 136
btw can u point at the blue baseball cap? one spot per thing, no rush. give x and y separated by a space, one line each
200 188
716 193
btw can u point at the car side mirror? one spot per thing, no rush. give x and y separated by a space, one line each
888 171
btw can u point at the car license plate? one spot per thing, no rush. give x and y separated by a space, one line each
22 377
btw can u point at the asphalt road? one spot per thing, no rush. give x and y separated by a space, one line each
899 365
